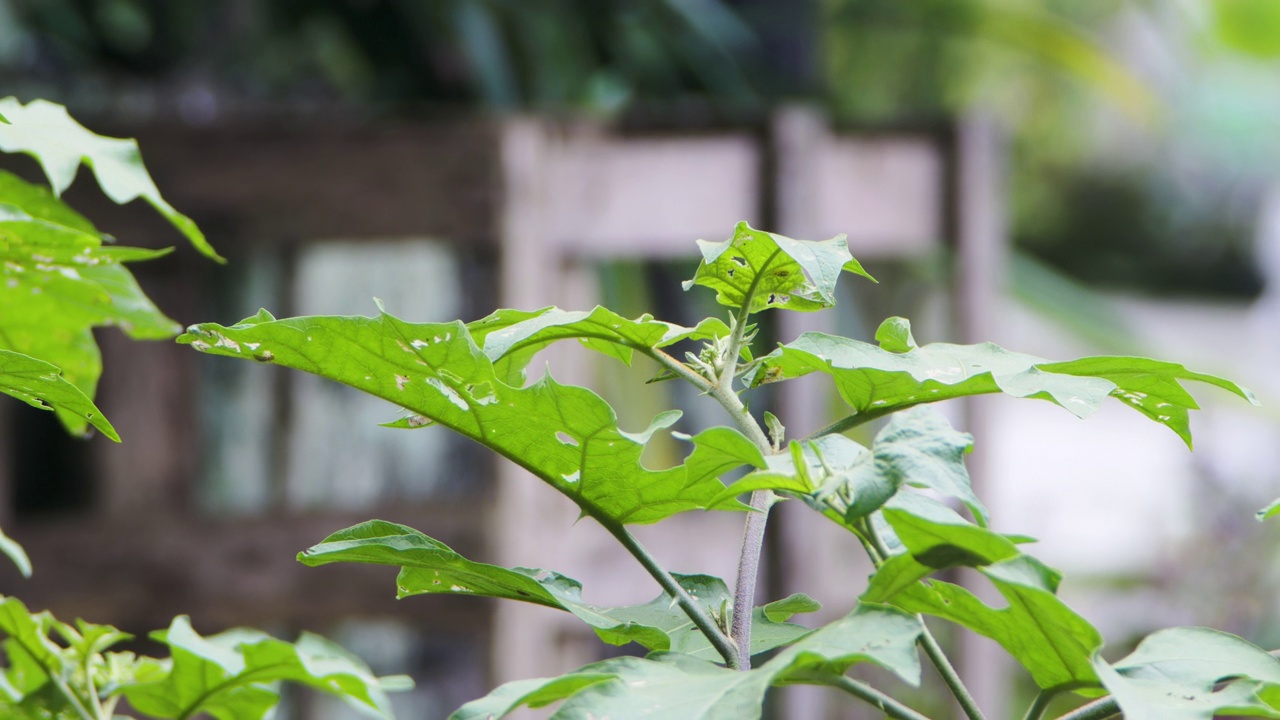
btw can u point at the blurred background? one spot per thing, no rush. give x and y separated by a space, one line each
1063 178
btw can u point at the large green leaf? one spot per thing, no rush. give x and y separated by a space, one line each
229 675
673 685
1174 675
428 566
45 131
1048 638
58 282
876 381
515 336
568 436
41 385
763 270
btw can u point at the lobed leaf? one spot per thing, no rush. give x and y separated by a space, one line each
58 282
512 337
677 685
1045 636
567 436
761 270
45 131
41 385
876 381
229 675
428 566
1174 674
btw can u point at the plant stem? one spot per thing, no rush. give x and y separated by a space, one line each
704 622
927 641
1100 709
1040 705
744 592
863 691
948 672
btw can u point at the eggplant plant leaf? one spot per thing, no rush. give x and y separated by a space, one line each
875 381
568 436
677 685
41 385
229 675
511 338
763 270
1174 674
1045 636
47 132
427 566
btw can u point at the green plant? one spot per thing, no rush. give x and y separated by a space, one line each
470 378
61 279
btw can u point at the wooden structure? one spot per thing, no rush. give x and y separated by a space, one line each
526 209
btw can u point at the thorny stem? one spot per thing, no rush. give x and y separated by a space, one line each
722 643
927 641
863 691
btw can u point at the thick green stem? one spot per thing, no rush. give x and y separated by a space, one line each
1099 709
1040 705
703 620
875 698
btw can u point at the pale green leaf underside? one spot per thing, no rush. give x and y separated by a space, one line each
45 131
672 685
41 385
1172 675
568 436
12 550
765 270
875 381
427 566
229 675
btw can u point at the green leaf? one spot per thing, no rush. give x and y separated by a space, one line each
34 658
1269 511
515 336
894 335
59 282
673 685
762 270
41 385
428 566
876 382
568 436
933 537
12 550
228 675
1173 675
1049 639
45 131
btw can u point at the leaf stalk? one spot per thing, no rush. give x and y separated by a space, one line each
862 691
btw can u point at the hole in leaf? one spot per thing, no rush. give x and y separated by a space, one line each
566 439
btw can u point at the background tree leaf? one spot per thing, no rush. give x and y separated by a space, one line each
568 436
765 270
45 131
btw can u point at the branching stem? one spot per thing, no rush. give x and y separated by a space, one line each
696 612
1040 705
